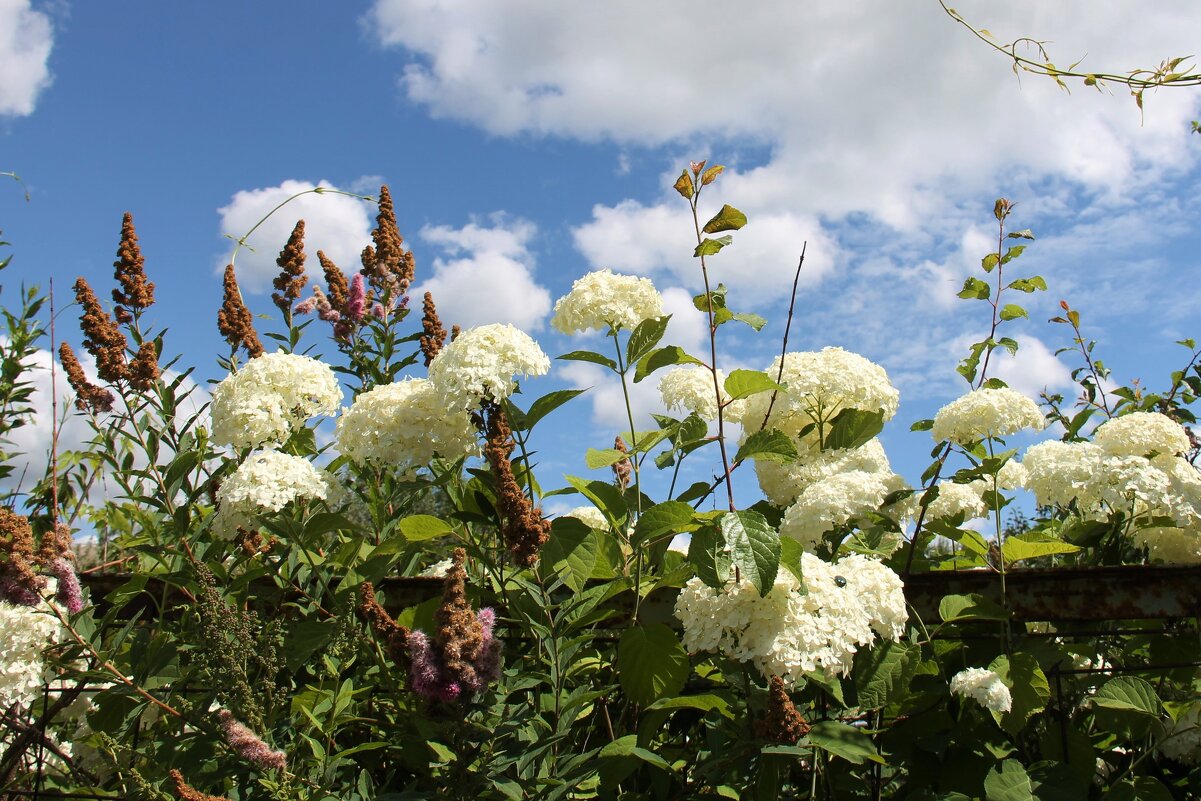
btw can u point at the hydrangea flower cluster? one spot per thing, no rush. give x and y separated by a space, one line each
1141 434
265 401
606 300
24 632
835 501
266 481
690 390
958 499
403 423
792 631
589 516
481 364
986 413
783 482
984 687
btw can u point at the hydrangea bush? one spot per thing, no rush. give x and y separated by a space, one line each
381 609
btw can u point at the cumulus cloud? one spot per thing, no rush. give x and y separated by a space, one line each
26 37
1033 369
486 274
336 224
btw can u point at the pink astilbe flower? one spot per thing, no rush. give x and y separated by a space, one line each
69 593
306 306
487 666
18 593
377 311
425 675
249 745
357 299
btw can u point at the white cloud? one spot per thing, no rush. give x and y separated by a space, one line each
26 37
608 400
336 224
486 275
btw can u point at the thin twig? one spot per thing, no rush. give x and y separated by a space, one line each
787 327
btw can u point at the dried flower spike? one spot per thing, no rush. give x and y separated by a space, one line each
335 279
291 279
249 745
521 523
101 336
435 335
143 370
388 266
394 636
186 792
135 291
783 723
19 584
88 396
233 320
624 469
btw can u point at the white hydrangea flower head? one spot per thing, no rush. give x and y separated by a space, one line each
482 363
783 482
406 424
1059 472
1141 434
1184 481
270 397
820 385
690 390
438 569
1170 545
789 633
835 501
955 499
265 482
589 516
24 632
604 300
985 413
1012 475
984 687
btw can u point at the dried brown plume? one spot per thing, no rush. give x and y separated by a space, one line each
19 584
524 529
459 636
135 291
101 336
335 279
388 266
186 792
234 320
143 370
455 330
291 279
624 469
88 396
394 636
783 724
435 335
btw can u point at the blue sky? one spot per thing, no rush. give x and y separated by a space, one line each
527 142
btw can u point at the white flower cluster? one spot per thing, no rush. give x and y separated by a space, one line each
265 401
842 608
690 390
604 300
266 481
782 482
589 516
835 501
1169 544
820 385
984 687
404 423
480 365
958 499
1141 434
24 632
986 413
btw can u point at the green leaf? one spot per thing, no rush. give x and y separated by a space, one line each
663 357
706 702
710 175
1017 550
744 383
548 403
728 219
843 741
1027 684
683 185
768 444
754 547
990 262
651 663
973 288
707 553
753 320
852 428
596 459
709 247
956 608
645 336
790 557
1143 788
1008 781
882 673
627 746
1013 253
1128 694
1028 285
571 551
1012 311
1025 233
717 297
605 496
589 356
668 517
423 527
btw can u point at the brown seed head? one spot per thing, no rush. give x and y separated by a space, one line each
101 336
521 523
339 287
459 636
19 584
185 792
435 335
387 266
455 330
291 279
623 470
143 370
88 396
394 636
783 723
234 320
135 291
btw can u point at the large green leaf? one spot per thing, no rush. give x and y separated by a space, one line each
728 219
651 663
627 746
744 383
589 356
1143 788
707 553
645 336
1008 781
1128 694
663 357
709 247
768 444
852 428
548 403
571 551
882 673
754 547
1027 684
423 527
668 517
954 608
1016 549
597 458
605 496
843 741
